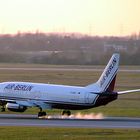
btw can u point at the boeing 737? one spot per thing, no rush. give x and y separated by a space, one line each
18 96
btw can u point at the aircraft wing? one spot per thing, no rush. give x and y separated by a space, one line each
25 103
29 103
33 103
128 91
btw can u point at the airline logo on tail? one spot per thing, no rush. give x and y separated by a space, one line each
108 72
106 82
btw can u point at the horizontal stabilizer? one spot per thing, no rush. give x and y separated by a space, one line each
128 91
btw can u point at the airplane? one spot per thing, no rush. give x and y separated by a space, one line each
18 96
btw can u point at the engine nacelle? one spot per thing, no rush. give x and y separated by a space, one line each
15 107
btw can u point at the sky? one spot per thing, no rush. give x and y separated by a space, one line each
94 17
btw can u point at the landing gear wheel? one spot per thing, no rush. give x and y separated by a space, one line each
66 112
41 114
2 109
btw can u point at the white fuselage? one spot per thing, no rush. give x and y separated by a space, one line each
48 93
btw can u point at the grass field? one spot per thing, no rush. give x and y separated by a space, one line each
126 105
38 133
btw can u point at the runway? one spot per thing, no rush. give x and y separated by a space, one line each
32 120
65 69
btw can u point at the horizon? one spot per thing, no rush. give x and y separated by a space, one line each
75 34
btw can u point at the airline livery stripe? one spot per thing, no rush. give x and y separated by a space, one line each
110 80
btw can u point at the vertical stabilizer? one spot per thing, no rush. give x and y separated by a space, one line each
106 81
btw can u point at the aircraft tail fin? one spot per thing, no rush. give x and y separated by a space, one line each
107 80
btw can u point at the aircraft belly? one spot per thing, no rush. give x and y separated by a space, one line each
71 106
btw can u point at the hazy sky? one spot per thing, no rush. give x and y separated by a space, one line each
96 17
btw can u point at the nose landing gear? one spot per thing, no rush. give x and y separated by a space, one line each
2 109
2 104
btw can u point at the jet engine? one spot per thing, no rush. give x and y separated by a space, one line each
15 107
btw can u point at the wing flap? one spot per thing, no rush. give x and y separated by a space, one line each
25 103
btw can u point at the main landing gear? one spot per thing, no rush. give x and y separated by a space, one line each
41 113
66 113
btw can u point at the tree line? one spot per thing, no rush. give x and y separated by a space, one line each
67 49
